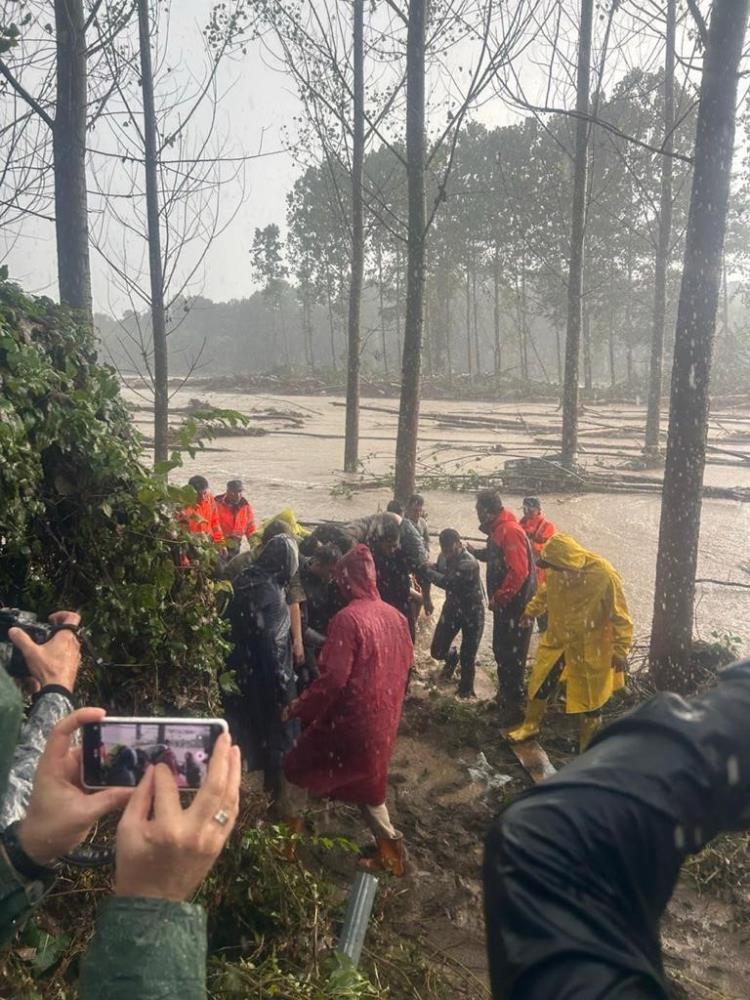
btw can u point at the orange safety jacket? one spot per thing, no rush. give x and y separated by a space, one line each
236 519
203 518
538 530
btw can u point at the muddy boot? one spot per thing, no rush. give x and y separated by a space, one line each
295 826
589 725
451 662
466 692
529 728
390 857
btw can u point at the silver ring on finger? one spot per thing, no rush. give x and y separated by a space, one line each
221 817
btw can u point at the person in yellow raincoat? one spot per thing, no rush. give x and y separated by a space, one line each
587 639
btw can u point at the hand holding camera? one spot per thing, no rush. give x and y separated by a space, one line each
165 851
61 814
48 653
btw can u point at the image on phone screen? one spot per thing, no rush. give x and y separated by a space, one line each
118 751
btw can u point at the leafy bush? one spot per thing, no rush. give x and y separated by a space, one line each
84 524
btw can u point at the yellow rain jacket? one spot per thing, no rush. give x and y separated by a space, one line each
288 516
589 623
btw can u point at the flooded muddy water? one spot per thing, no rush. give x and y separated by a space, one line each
301 466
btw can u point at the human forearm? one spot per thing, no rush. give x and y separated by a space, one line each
50 707
153 949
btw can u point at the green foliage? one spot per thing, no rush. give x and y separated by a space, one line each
84 524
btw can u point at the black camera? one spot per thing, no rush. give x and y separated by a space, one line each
10 657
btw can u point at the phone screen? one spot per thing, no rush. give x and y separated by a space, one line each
118 751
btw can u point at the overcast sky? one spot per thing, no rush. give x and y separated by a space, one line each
258 104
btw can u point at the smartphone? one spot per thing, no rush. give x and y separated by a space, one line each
117 751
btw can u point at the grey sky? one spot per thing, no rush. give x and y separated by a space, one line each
258 103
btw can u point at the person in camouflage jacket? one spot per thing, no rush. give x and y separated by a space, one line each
148 941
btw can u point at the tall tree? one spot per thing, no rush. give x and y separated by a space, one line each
408 417
671 637
158 318
577 239
69 147
653 415
68 130
357 265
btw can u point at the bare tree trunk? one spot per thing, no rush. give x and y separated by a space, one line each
158 318
351 436
428 331
69 152
653 414
477 359
725 299
524 323
448 338
588 375
612 367
671 637
381 294
331 322
408 418
468 317
577 233
399 340
559 355
496 311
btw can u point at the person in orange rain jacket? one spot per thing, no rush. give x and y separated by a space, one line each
203 517
236 516
538 530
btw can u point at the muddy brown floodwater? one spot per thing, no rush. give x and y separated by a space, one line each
442 812
299 466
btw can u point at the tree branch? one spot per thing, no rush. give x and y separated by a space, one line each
23 93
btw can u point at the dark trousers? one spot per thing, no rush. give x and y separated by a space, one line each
451 622
510 646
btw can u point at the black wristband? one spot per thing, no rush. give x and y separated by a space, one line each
25 866
53 689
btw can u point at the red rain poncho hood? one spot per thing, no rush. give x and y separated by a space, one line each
356 576
350 714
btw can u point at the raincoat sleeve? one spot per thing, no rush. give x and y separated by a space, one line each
52 705
335 664
152 949
17 897
250 526
214 523
516 555
621 621
538 604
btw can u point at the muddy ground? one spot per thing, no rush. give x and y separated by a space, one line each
444 816
295 459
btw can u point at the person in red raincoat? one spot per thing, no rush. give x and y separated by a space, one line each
350 713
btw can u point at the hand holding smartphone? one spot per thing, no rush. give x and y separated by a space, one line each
117 751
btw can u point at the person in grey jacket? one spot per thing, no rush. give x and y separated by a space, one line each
55 681
149 941
458 573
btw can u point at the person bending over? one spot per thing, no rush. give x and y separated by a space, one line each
457 572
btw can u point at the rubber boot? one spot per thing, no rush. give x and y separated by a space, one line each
589 725
451 662
295 826
529 728
390 857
